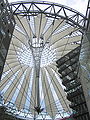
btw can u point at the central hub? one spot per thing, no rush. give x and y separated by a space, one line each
38 109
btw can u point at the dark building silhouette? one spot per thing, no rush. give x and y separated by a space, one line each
7 24
69 68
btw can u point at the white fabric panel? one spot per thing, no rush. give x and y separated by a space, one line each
13 52
48 33
15 47
25 91
20 101
16 42
6 68
12 66
61 54
67 47
64 49
12 61
43 23
53 27
10 52
37 25
64 41
11 90
58 23
58 57
66 52
11 57
40 21
19 37
54 67
25 24
6 79
50 108
59 91
62 34
11 47
33 94
18 21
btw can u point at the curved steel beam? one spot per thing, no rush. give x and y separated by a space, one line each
71 16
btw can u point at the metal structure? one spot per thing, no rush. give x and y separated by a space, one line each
44 32
52 10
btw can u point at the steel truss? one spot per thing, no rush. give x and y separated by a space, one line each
50 9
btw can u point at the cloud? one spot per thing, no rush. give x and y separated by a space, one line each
80 5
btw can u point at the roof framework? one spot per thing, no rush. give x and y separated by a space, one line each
72 16
44 32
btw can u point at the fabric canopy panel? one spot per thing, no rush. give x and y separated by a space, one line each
38 40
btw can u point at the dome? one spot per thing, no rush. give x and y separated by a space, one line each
44 32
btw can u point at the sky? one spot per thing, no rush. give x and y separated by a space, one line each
79 5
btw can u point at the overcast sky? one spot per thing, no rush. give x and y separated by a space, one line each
79 5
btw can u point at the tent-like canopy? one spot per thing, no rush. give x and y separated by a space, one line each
44 32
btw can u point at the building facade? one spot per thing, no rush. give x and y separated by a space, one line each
69 68
7 24
85 59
